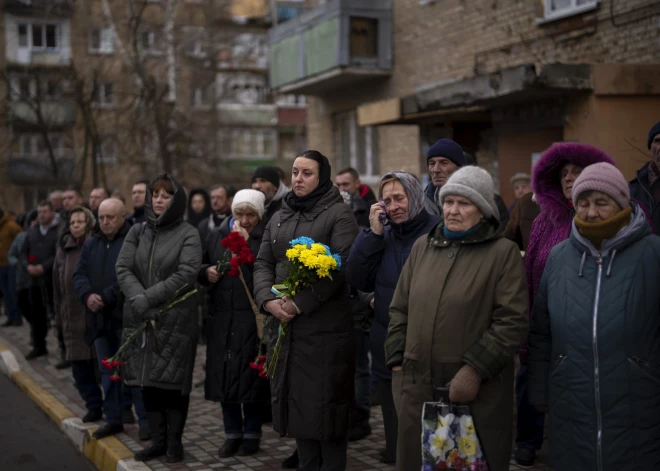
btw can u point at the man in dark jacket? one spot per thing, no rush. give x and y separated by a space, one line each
38 257
266 179
443 159
349 180
221 198
96 285
138 194
645 187
96 196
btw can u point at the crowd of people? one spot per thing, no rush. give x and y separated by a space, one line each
439 289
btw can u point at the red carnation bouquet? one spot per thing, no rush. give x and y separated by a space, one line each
241 255
32 259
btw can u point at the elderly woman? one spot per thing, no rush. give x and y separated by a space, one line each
232 340
594 359
312 392
553 178
375 262
71 314
458 315
159 262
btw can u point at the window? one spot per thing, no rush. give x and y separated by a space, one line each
104 94
34 144
197 43
357 146
202 97
107 150
293 101
561 8
40 36
150 42
248 143
101 41
364 37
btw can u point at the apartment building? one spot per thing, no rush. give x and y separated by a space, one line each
107 92
505 79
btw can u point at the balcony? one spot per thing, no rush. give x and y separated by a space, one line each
40 7
338 44
38 169
53 114
230 114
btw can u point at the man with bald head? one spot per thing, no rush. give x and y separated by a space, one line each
96 285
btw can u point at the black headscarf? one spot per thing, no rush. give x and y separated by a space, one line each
193 217
305 203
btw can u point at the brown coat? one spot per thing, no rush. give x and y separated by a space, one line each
8 232
458 302
520 223
70 313
312 392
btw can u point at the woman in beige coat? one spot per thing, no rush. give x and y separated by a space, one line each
458 315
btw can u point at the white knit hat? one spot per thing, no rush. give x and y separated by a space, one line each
475 184
253 197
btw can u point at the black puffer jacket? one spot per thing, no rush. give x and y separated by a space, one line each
164 260
312 392
232 329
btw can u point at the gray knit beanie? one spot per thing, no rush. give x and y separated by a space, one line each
475 184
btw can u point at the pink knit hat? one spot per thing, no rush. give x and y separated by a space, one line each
605 178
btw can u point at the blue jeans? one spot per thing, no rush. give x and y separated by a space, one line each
133 397
362 372
8 288
84 375
106 347
242 424
529 420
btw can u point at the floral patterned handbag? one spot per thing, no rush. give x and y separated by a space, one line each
449 438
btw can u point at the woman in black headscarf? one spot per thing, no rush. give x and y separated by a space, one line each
312 391
199 206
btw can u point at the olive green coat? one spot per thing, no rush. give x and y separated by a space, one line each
458 302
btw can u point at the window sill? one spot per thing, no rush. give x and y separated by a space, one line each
567 14
98 52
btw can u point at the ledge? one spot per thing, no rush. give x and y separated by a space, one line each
561 15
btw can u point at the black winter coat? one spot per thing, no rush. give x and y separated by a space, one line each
161 263
95 274
649 196
43 247
231 327
433 209
313 388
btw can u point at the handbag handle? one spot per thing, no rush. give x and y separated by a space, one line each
444 391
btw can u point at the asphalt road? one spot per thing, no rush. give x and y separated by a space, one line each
29 440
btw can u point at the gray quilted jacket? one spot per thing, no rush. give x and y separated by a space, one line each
163 260
594 351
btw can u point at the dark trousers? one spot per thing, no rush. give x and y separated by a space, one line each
172 408
362 375
529 420
8 288
133 397
24 304
390 420
322 455
41 295
84 375
245 423
106 346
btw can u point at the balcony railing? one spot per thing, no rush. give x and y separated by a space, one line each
50 113
30 169
31 7
332 46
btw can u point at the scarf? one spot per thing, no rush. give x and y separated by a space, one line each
451 235
597 232
306 203
413 188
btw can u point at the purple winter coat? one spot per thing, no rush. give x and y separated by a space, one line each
553 225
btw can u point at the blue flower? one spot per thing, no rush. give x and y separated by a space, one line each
327 249
338 259
302 241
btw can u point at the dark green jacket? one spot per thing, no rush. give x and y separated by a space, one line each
594 351
159 262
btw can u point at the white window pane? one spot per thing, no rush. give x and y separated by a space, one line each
556 5
106 40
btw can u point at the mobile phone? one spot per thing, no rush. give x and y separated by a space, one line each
382 217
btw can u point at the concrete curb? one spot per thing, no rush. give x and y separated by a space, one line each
108 454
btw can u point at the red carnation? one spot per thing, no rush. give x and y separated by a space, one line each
107 363
255 366
115 377
234 242
263 373
32 259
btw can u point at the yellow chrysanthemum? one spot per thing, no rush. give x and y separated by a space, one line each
318 249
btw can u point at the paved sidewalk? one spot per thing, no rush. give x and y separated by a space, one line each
204 431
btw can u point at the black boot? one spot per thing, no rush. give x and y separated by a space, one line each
361 428
176 421
292 461
158 445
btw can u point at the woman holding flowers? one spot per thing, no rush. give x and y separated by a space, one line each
458 315
233 341
158 264
312 385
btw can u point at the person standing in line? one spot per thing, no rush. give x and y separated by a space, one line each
70 313
221 199
521 183
232 341
23 278
376 260
645 187
348 179
97 288
267 180
158 264
199 206
96 197
37 257
8 232
138 195
313 389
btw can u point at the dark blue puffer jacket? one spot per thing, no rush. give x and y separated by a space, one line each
374 264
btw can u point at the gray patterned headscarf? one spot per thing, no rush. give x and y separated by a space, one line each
413 189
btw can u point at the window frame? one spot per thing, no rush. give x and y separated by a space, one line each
101 157
109 40
154 40
255 139
574 9
44 36
202 97
100 97
358 136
